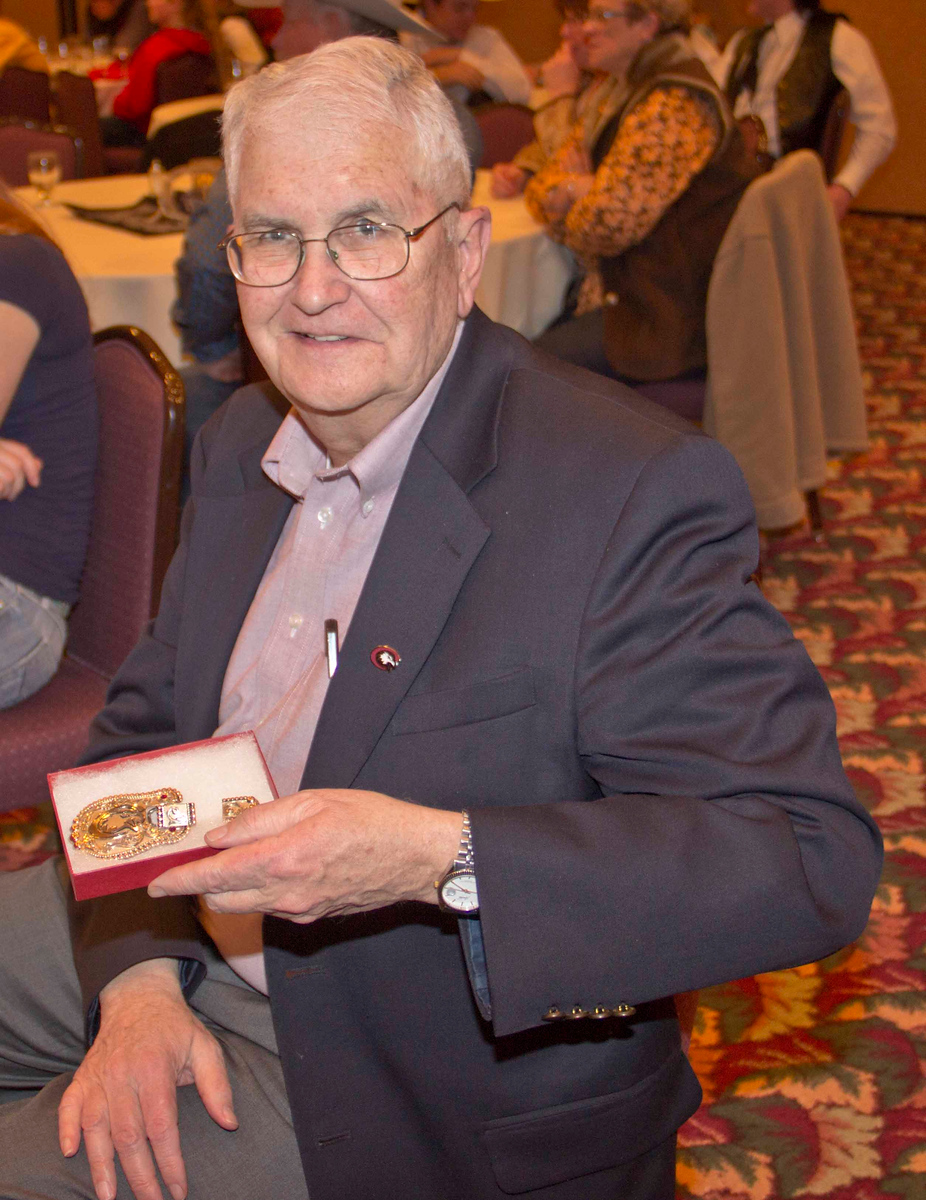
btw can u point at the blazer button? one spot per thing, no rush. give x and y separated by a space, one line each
553 1013
600 1013
611 299
624 1010
577 1013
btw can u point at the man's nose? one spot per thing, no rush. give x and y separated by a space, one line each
319 283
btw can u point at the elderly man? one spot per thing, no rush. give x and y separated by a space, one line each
477 63
788 72
569 762
206 309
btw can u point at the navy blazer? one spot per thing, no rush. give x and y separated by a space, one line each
647 753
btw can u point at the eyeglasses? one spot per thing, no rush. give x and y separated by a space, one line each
366 250
601 16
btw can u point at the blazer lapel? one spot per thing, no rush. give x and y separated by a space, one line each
431 540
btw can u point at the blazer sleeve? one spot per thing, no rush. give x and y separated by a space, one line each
727 840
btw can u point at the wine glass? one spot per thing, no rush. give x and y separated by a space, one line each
44 169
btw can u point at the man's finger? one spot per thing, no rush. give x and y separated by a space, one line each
159 1112
235 870
211 1078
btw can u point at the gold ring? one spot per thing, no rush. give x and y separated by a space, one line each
131 823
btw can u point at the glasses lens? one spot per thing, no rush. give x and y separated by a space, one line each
265 259
369 251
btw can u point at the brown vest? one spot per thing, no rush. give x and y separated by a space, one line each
656 291
806 92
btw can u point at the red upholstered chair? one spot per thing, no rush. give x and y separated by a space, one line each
25 94
132 538
505 129
185 76
75 102
18 138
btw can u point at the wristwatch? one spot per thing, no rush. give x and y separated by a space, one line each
456 892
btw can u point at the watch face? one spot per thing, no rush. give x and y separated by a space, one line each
459 893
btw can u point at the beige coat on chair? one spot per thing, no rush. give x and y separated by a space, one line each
784 379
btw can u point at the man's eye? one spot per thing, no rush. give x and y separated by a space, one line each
367 231
272 237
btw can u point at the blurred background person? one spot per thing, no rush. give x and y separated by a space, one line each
476 63
124 23
787 74
642 192
17 49
48 443
181 29
565 79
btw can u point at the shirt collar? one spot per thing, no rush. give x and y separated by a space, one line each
294 458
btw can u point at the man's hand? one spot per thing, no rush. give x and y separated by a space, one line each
560 199
320 853
841 199
123 1095
560 75
18 466
508 180
460 72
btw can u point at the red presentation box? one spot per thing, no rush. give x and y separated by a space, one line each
201 774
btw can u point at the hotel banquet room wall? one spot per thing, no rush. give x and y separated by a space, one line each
896 29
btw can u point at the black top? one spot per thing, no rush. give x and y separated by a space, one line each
44 531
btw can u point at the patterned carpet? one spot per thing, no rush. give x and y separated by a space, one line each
814 1079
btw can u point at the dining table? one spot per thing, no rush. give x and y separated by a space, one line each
129 279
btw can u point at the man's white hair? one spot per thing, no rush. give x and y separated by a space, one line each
354 84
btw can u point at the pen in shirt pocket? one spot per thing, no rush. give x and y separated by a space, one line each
331 645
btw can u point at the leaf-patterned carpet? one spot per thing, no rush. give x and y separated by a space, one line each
814 1081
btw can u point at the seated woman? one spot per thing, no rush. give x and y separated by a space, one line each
642 191
565 78
48 442
181 29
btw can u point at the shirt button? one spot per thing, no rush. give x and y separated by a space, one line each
324 516
367 507
611 299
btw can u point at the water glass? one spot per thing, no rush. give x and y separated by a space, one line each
44 169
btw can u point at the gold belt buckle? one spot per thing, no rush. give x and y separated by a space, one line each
131 823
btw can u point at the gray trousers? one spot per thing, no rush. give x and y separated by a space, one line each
42 1042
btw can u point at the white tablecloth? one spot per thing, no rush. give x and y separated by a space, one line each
129 280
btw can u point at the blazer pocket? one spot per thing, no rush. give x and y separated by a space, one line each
464 706
552 1145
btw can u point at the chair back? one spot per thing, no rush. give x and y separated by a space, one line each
784 377
19 138
198 136
25 94
185 76
505 129
833 130
76 108
136 508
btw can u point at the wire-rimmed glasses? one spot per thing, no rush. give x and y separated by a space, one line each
365 250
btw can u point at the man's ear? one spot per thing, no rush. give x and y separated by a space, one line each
474 232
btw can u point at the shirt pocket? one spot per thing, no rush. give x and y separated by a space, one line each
552 1145
481 701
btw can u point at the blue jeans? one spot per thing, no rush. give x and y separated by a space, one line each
33 630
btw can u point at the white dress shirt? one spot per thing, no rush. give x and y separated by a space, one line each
854 65
485 49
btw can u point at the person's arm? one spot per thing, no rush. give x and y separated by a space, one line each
206 309
727 840
503 73
871 111
19 336
136 100
661 146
